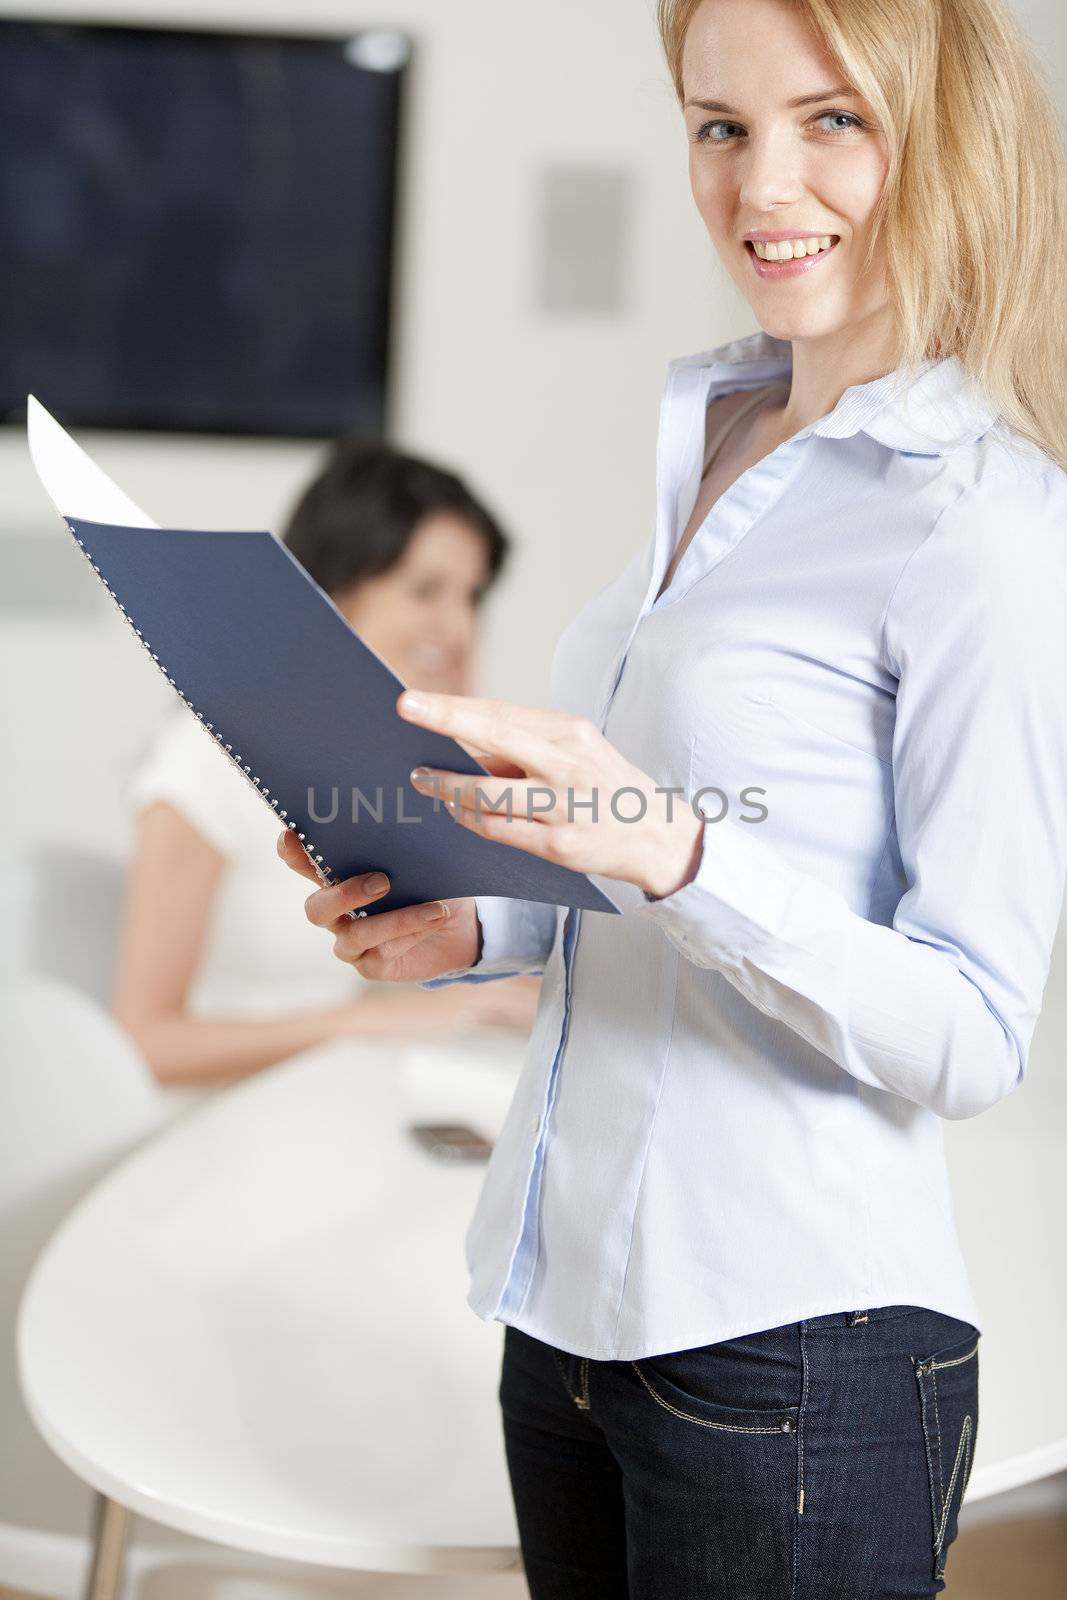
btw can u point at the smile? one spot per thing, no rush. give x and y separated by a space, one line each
788 269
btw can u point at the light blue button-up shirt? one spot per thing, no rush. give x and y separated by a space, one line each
729 1115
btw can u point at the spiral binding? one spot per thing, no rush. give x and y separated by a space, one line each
325 873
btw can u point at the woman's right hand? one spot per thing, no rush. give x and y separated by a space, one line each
392 946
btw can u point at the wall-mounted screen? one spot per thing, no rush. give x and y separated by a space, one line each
197 228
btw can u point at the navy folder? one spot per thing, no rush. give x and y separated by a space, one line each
307 711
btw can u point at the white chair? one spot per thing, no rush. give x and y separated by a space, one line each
67 905
75 1096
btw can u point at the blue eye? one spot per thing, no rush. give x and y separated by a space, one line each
703 133
853 122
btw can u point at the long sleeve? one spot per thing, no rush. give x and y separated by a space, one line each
939 1007
517 936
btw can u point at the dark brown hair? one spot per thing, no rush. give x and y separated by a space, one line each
354 520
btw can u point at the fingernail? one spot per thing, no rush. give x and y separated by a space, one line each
413 703
435 912
419 774
375 883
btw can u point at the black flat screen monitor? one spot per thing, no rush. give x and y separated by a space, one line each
197 228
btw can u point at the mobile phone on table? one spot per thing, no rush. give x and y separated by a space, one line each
451 1141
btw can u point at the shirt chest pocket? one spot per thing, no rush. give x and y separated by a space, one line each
864 729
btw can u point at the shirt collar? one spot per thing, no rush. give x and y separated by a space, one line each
942 409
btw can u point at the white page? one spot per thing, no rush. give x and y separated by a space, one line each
75 485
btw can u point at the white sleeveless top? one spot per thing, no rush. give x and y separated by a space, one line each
261 956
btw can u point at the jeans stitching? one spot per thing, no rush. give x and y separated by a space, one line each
704 1422
580 1400
800 1461
941 1499
561 1369
940 1452
935 1366
935 1510
970 1462
964 1449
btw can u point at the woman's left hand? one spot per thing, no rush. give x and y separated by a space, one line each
553 765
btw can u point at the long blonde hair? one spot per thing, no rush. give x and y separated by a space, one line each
974 207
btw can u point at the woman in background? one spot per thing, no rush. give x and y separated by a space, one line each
219 974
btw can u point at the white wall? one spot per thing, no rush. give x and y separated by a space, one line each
552 416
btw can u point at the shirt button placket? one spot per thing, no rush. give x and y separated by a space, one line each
513 1294
539 1120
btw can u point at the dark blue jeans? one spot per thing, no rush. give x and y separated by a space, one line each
822 1460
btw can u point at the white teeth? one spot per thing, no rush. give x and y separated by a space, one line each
791 249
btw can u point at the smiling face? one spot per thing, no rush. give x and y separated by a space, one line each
759 163
421 614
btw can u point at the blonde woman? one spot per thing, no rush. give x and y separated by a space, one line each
740 1360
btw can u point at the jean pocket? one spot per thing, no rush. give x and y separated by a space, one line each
948 1400
701 1385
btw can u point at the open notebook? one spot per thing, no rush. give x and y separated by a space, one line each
289 691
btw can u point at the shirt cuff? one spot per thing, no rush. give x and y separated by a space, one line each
735 901
516 938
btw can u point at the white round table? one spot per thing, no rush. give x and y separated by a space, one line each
255 1328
